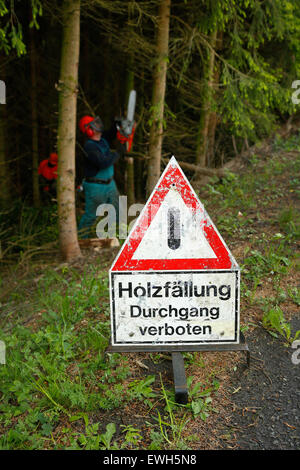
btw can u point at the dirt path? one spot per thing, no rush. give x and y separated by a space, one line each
266 398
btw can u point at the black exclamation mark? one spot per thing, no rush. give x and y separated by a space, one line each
173 228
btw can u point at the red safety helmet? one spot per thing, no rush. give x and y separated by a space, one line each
53 158
89 125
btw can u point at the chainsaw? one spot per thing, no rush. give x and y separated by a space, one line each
126 126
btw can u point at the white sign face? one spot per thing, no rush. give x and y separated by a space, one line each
174 281
175 308
191 241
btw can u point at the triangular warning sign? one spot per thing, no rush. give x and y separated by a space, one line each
173 232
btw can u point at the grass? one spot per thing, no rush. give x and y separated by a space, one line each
57 370
265 196
60 390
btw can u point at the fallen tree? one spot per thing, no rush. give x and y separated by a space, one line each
202 170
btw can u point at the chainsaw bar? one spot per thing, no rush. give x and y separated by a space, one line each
128 123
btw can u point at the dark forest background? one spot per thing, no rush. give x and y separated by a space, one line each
230 69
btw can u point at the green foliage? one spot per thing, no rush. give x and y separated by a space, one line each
259 264
274 321
132 436
294 294
24 229
92 440
11 33
256 58
201 400
254 84
141 389
176 416
280 143
60 367
171 426
289 223
271 254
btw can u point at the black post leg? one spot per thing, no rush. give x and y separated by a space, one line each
181 392
245 348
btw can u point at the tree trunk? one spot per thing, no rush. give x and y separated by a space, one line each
202 170
67 130
86 61
211 134
139 139
130 180
5 191
213 119
34 121
158 95
202 137
129 160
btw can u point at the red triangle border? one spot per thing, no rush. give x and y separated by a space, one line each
124 262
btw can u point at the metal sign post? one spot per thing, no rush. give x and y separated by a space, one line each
175 286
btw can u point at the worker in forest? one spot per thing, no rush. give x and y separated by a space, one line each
48 174
99 185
